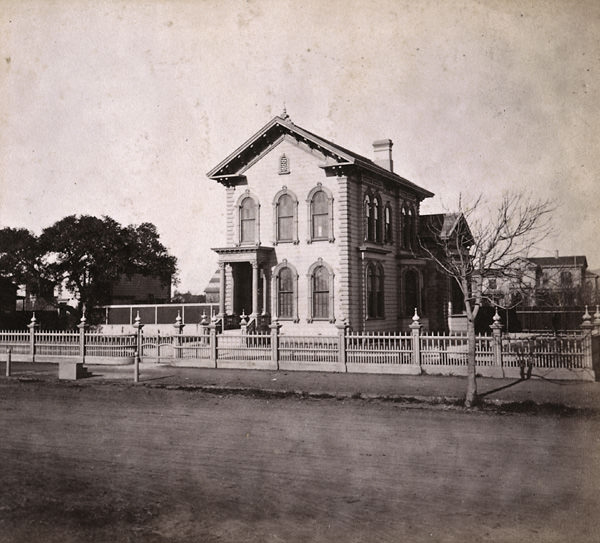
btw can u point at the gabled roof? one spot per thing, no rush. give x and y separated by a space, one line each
230 170
444 226
563 261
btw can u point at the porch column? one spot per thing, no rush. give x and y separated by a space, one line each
221 290
265 285
254 289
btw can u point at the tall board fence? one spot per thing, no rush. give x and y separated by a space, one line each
560 356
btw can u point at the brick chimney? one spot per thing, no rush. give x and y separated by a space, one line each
382 150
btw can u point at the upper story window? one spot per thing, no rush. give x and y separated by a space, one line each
320 206
387 225
285 216
248 214
373 218
408 227
566 279
320 216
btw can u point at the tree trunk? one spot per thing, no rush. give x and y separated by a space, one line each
471 397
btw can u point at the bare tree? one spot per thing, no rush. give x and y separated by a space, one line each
479 242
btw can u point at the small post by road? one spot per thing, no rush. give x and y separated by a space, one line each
415 328
136 358
8 361
136 367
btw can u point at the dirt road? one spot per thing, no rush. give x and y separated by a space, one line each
119 463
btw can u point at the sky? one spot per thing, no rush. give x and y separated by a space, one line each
120 108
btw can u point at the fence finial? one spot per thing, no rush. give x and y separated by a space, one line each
496 317
586 315
179 323
416 317
597 314
243 318
137 322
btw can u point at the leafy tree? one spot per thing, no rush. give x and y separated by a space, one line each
89 254
21 260
489 243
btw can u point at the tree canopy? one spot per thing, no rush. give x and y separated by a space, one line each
86 253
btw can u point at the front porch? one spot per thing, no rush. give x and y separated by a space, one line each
244 279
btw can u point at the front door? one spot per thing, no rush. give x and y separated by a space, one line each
242 288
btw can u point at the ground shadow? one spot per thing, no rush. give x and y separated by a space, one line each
483 394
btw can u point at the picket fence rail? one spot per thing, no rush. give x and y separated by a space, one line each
568 355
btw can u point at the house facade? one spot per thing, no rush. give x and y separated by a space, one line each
317 236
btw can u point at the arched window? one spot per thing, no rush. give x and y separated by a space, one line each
319 216
387 236
248 221
375 305
407 227
411 292
376 220
285 289
320 293
285 218
368 219
320 299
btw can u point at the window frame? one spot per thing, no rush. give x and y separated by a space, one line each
276 306
310 214
320 264
239 230
375 299
276 225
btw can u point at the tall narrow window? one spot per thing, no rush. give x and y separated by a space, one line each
411 292
376 220
408 228
368 219
388 224
285 218
285 294
375 291
320 293
248 221
319 216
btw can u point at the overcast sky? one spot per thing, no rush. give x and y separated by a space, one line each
120 108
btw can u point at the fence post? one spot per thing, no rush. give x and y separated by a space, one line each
416 340
212 335
496 327
138 353
8 361
597 321
275 326
179 325
243 323
82 326
342 359
204 326
588 329
33 326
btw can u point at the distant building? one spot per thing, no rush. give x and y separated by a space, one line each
141 289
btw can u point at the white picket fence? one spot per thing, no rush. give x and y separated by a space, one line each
568 356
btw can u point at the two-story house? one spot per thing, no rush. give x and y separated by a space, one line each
317 235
